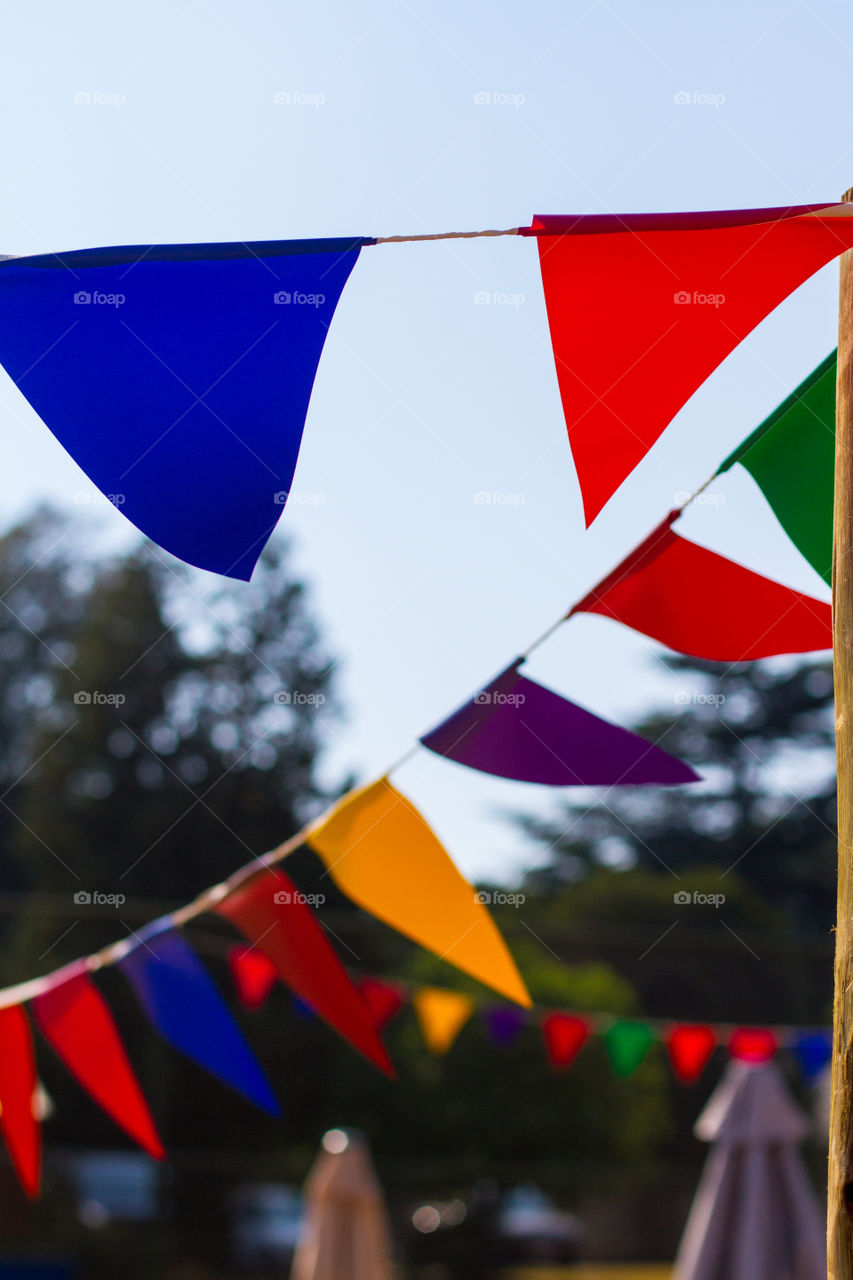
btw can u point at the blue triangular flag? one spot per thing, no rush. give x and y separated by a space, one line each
182 1002
178 377
813 1050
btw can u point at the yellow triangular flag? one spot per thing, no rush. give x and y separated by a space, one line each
442 1014
380 851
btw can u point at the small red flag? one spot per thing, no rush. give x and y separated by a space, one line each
703 605
254 974
270 911
690 1047
753 1044
76 1021
565 1035
383 999
18 1083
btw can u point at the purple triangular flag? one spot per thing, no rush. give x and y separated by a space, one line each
503 1023
518 729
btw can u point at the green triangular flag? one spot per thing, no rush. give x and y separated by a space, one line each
791 457
627 1043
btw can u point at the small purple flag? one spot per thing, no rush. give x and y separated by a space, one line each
518 729
503 1023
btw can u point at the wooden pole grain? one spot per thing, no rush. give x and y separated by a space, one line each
840 1183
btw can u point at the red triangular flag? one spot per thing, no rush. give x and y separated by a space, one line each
565 1035
18 1086
270 912
753 1044
703 605
75 1020
383 999
254 975
690 1047
643 307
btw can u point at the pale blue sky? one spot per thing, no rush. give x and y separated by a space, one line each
425 397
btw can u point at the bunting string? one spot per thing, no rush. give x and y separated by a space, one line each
445 235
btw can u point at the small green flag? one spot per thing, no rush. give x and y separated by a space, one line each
627 1043
791 457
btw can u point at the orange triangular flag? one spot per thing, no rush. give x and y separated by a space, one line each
380 851
441 1014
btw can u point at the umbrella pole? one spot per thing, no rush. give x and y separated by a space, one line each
840 1188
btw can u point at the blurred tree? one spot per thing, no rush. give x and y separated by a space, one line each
42 601
762 736
700 946
152 756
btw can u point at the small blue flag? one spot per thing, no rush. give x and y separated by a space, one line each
813 1051
181 1001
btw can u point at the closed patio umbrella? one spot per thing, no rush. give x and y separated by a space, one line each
346 1230
755 1215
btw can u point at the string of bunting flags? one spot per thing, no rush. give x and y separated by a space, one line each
197 371
514 728
443 1013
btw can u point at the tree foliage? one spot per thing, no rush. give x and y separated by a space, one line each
761 735
158 732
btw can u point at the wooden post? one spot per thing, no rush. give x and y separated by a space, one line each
840 1187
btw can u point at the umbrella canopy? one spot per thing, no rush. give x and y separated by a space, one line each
346 1230
755 1215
